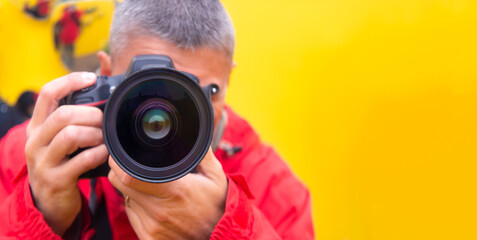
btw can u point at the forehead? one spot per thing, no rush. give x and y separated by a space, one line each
209 65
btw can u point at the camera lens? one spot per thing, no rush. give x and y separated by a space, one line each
163 127
156 123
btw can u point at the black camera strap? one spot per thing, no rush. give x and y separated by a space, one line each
217 142
219 131
99 216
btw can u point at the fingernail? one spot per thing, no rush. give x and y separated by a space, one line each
89 77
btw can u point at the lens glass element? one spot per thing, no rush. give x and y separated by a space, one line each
157 123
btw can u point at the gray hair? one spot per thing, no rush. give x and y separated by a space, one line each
188 24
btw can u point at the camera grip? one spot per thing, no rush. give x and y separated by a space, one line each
95 95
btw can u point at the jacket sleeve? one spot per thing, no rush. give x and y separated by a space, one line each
19 218
275 206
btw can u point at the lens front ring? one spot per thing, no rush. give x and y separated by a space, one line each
205 125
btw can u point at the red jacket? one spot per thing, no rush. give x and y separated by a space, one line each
264 199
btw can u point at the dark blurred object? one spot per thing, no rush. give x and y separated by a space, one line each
11 116
26 103
40 10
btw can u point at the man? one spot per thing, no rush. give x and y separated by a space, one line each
241 189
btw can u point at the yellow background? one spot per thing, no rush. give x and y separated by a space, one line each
28 58
372 103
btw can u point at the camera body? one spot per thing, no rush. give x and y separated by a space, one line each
157 121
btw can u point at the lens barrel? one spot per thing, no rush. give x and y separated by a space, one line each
158 124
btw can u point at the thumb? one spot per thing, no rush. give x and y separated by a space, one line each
210 167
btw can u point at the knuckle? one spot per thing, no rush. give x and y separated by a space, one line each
85 160
47 91
29 130
160 216
176 193
87 157
47 179
70 134
178 190
63 114
155 227
111 177
52 183
153 230
126 179
29 149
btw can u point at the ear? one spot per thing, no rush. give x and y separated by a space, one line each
104 63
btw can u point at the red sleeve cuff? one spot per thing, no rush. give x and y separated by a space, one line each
237 221
26 220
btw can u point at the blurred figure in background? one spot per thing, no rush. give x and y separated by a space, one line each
26 103
40 10
11 116
67 31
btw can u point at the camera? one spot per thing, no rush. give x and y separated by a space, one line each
157 121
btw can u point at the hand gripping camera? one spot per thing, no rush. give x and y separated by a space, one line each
157 121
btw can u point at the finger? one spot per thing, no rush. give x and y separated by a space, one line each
121 177
123 181
69 139
210 167
147 220
85 161
144 211
135 221
129 185
68 115
57 89
118 184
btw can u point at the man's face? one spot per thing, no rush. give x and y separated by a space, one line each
208 65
